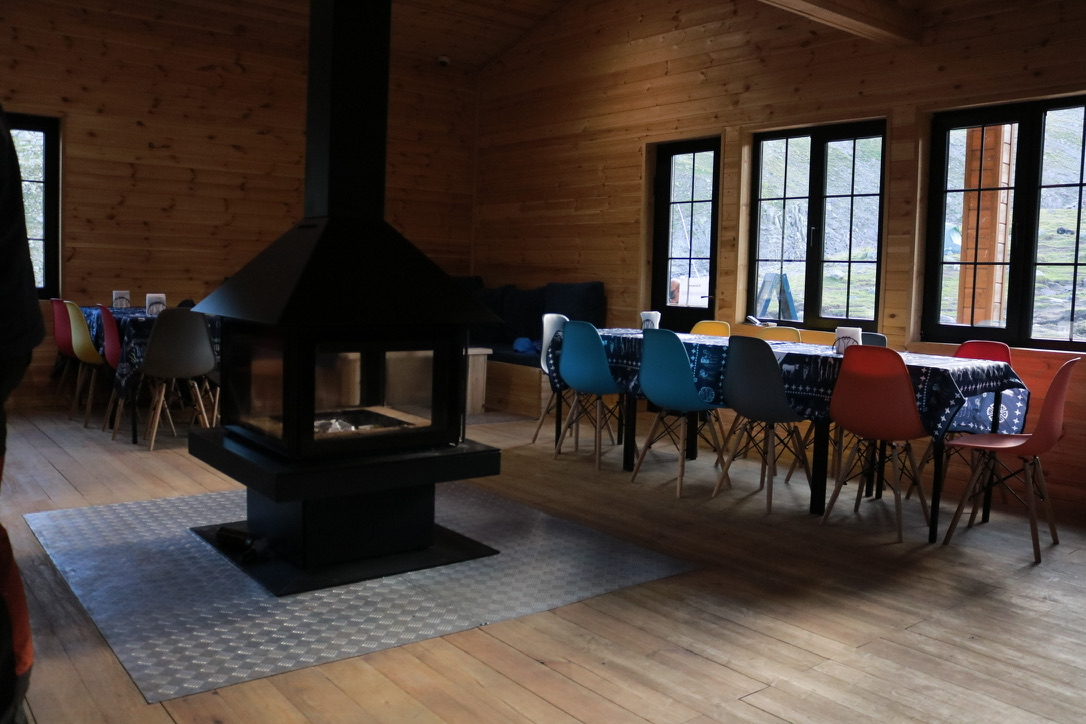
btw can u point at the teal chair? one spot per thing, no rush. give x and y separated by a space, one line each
583 366
667 380
754 389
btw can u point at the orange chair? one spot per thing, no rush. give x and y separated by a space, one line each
88 356
817 336
712 327
989 470
779 334
874 399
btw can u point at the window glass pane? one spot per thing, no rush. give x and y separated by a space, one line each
1078 329
837 227
793 289
34 203
703 176
795 229
702 230
955 159
682 177
1062 158
948 300
1050 307
952 227
772 169
865 228
868 178
1081 235
679 244
689 283
798 182
835 283
1056 236
861 300
770 229
839 167
30 147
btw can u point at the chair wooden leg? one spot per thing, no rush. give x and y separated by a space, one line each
546 411
971 489
656 422
90 395
1031 506
1046 501
156 413
571 420
895 486
80 380
840 483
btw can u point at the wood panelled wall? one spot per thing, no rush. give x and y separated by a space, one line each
183 128
183 140
569 116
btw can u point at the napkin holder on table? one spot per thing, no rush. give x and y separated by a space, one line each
155 303
846 337
121 298
650 320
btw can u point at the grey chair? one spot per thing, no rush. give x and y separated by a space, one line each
179 349
754 389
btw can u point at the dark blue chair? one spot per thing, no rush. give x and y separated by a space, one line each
754 389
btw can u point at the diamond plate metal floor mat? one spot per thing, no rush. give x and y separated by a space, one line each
183 619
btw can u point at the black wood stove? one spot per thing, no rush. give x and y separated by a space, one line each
343 355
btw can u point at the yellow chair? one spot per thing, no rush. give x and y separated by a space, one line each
779 334
712 327
88 357
817 336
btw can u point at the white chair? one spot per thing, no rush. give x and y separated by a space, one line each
552 324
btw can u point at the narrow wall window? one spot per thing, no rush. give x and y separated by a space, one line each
817 225
37 143
1006 247
686 197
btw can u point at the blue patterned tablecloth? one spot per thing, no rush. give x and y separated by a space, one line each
953 394
134 325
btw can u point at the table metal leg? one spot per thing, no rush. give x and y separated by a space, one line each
819 466
938 452
629 431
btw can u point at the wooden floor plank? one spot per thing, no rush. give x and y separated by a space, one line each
784 620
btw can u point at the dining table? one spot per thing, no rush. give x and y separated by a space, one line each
134 325
952 394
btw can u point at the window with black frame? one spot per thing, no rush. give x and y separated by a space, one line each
816 226
37 143
1005 242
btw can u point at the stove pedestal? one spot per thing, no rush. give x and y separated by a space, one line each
323 522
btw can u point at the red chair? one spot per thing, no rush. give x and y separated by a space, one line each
62 336
989 470
111 350
874 399
984 349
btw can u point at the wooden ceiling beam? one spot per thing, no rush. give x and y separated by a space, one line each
884 21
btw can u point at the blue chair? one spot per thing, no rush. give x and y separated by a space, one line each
583 366
667 380
754 389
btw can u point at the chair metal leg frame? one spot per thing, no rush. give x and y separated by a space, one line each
990 472
601 417
159 405
789 439
903 464
674 426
